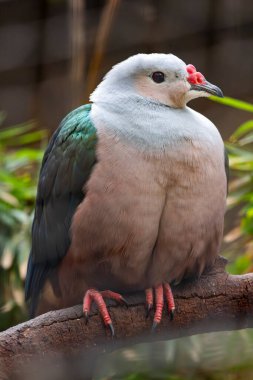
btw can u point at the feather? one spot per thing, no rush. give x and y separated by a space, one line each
66 166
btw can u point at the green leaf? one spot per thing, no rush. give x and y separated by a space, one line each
29 138
28 153
14 131
246 140
240 265
242 130
8 198
234 150
234 103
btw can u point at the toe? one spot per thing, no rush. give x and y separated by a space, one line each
170 299
149 301
159 303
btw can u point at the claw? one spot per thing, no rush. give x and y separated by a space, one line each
114 296
172 312
154 326
124 302
86 317
149 307
110 325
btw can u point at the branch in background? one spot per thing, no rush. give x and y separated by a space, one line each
104 28
215 302
77 41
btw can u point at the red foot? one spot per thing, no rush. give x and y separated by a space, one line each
161 291
96 296
170 299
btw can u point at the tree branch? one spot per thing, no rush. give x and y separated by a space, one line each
217 301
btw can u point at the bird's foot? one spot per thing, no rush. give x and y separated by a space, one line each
93 295
161 291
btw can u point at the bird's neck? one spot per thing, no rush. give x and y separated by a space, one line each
149 125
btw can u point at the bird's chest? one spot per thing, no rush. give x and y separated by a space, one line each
191 224
141 188
135 186
191 166
195 184
137 200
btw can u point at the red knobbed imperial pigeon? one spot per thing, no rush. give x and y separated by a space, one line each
132 191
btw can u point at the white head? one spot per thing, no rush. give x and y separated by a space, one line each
160 78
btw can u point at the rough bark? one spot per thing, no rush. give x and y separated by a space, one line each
217 301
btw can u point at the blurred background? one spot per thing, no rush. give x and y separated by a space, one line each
53 53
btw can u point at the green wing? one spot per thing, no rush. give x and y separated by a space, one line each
66 166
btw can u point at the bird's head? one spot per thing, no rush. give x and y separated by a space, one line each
163 78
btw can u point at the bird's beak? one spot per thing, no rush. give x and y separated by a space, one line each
209 88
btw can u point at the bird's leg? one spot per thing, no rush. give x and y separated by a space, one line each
98 297
161 291
114 296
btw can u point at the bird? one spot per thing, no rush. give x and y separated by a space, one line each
131 192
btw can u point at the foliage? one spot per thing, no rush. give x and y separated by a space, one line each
240 149
20 158
212 356
234 103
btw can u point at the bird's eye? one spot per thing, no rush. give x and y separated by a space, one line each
158 77
176 75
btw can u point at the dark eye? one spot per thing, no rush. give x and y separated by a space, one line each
158 77
176 75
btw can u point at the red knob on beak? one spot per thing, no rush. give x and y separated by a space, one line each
191 69
194 77
199 83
